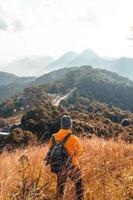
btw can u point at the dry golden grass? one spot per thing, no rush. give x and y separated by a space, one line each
107 169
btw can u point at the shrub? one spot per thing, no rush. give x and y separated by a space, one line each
20 138
3 122
43 122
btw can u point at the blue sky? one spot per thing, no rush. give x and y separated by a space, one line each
53 27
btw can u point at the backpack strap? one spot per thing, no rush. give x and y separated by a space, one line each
65 139
53 140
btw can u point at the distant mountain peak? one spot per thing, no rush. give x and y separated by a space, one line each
69 53
62 61
90 52
29 66
84 58
66 57
38 65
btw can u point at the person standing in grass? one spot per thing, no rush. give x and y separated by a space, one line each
64 152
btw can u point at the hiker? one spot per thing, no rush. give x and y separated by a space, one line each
69 167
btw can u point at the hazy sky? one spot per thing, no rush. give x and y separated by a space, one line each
52 27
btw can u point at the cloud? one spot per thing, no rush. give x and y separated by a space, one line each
55 26
11 25
17 25
3 24
130 38
90 16
10 16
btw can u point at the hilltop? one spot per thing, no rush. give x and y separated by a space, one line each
98 84
117 89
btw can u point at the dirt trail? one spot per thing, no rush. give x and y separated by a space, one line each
59 98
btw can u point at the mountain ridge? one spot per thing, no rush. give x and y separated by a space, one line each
11 84
98 84
62 61
39 65
123 65
6 78
29 66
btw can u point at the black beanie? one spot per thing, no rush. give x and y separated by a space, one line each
66 122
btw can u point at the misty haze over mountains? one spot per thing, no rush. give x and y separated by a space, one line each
28 66
39 65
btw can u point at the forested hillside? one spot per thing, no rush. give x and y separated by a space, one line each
13 86
98 84
6 78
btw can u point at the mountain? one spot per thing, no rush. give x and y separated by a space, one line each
6 78
103 86
53 76
14 86
123 65
98 84
84 58
28 66
61 62
39 65
72 59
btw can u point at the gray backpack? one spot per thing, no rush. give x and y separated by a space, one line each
57 155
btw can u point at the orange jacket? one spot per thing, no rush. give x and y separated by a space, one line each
72 146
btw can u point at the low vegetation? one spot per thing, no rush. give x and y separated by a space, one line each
3 122
19 138
107 169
